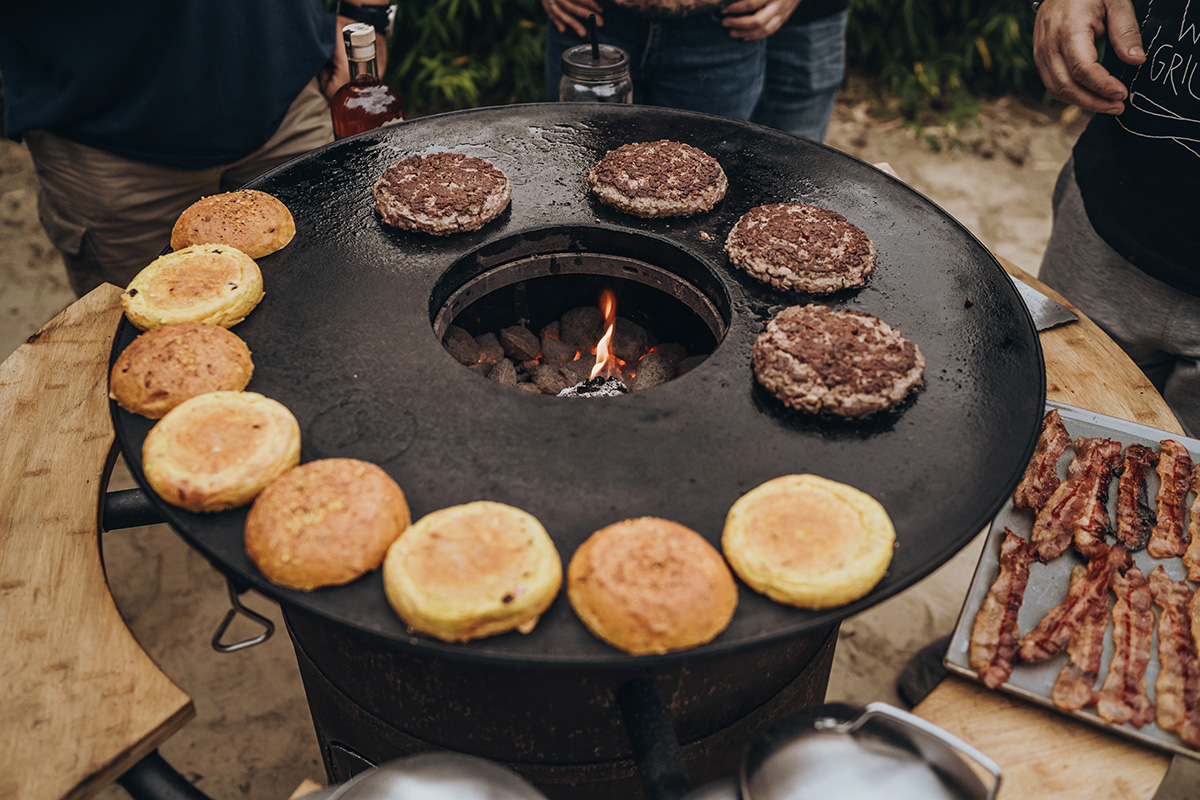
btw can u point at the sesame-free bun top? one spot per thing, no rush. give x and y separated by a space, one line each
471 571
808 541
325 523
167 365
215 283
254 222
219 450
650 586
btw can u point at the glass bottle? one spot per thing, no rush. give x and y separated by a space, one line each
595 73
364 102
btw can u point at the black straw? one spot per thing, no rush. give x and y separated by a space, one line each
592 34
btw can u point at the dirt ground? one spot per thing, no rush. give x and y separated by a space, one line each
252 736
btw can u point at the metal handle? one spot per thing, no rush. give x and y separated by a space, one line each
940 735
653 741
128 508
152 778
236 607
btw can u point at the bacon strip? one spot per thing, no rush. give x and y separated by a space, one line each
1078 509
1055 629
1041 475
1177 690
1174 472
1123 696
1191 558
1076 684
1135 516
994 635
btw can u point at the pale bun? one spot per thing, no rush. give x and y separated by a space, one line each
214 283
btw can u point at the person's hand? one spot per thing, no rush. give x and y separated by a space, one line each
749 20
573 14
336 73
1064 48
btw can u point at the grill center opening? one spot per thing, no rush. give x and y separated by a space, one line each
579 324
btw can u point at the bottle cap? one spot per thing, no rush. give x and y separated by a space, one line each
360 41
579 64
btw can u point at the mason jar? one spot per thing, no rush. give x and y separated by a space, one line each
598 74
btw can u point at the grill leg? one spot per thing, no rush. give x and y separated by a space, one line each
653 741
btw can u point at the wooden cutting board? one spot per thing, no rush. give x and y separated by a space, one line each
1043 754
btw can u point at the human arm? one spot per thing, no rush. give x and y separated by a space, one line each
337 72
1064 49
572 14
749 20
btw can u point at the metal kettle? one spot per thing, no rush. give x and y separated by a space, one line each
838 751
433 776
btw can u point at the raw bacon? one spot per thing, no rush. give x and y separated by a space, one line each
1174 472
1041 475
1078 508
1123 696
1177 690
994 635
1135 516
1055 629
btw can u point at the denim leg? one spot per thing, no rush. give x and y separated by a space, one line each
694 64
805 66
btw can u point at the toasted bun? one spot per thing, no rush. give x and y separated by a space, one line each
471 571
325 523
213 283
252 221
808 541
167 365
650 585
219 450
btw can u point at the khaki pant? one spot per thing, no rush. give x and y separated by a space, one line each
110 216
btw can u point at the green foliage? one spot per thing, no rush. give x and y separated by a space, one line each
937 57
451 54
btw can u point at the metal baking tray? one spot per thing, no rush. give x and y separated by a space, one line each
1048 585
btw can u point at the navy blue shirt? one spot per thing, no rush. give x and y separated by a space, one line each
183 83
1139 173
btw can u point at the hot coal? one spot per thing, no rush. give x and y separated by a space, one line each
596 387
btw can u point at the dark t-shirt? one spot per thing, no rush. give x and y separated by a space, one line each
184 83
1139 173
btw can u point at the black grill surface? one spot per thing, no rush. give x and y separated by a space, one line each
344 339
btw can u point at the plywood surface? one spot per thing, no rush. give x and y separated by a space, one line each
81 700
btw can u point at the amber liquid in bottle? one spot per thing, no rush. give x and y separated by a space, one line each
365 102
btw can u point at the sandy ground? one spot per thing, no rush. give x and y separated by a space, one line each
252 736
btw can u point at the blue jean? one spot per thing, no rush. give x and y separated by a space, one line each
788 80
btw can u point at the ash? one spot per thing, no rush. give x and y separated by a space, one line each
596 387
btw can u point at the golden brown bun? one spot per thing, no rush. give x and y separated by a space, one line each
325 523
252 221
167 365
219 450
471 571
808 541
650 585
213 283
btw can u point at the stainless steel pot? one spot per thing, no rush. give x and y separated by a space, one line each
433 776
838 751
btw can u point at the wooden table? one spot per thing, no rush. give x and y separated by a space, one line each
1043 754
82 702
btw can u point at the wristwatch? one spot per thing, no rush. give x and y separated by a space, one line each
379 17
1035 5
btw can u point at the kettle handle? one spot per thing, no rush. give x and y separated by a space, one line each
878 709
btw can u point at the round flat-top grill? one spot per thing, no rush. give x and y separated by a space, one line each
345 339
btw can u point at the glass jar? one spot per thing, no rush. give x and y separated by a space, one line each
600 77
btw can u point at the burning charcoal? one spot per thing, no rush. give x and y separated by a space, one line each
519 343
597 387
579 370
461 345
629 340
651 371
582 327
480 369
530 387
503 373
551 331
671 351
550 379
490 350
555 353
528 367
690 363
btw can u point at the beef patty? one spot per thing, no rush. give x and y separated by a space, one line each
441 193
658 179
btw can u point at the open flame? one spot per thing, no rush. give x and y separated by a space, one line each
606 363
